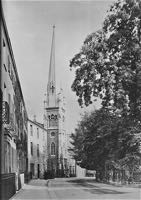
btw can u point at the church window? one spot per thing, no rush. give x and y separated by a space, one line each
52 116
52 148
55 117
52 134
38 150
53 121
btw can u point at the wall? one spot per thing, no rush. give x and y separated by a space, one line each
40 160
14 116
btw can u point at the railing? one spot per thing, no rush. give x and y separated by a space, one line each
8 187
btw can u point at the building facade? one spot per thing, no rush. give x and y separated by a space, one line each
37 149
14 116
54 121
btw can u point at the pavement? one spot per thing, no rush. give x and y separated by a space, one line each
36 189
75 188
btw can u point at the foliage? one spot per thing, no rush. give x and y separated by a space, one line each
102 136
109 63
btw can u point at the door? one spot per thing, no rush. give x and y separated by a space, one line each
38 170
32 169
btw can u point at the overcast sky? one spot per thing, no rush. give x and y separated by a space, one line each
30 29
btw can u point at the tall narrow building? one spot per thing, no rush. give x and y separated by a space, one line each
54 121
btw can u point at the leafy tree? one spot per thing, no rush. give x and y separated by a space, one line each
102 136
77 144
109 63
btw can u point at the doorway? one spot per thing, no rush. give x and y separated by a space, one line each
32 170
38 170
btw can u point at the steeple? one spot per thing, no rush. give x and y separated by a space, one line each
51 86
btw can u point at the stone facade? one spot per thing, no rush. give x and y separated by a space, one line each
37 149
14 114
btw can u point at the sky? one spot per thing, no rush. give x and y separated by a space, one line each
29 25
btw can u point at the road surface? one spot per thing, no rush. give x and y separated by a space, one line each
75 188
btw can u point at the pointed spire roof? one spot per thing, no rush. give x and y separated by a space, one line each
51 86
51 77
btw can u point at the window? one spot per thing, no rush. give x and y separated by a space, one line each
8 64
4 55
5 67
53 121
37 133
31 148
38 150
32 168
52 134
31 130
4 43
52 148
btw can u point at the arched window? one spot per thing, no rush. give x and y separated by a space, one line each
52 148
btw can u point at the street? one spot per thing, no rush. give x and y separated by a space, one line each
75 188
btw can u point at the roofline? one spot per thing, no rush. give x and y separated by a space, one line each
36 124
11 53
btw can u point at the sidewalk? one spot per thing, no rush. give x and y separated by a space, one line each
35 189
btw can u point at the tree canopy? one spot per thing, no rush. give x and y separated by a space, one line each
102 137
109 63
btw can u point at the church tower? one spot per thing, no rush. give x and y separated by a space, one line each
54 121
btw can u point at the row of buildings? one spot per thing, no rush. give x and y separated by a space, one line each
29 149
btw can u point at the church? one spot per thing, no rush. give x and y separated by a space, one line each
54 122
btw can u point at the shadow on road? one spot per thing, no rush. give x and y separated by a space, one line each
84 183
94 189
103 191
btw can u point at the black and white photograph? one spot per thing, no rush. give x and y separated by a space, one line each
70 99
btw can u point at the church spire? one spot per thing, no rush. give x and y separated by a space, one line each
51 86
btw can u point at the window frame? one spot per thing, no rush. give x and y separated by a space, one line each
37 133
53 149
31 130
31 148
38 152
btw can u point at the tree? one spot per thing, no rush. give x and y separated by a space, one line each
102 137
77 144
109 63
